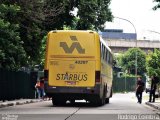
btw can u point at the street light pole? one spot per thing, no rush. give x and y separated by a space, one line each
129 22
136 41
154 31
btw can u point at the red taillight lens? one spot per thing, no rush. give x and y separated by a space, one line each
46 75
97 76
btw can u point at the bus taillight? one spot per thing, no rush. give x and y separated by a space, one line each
97 76
46 75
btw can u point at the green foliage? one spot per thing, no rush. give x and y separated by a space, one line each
42 50
128 61
29 18
117 60
93 14
12 54
31 30
54 14
156 6
24 23
153 63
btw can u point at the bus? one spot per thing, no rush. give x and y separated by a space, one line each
78 66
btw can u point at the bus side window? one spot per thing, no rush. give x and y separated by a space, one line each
106 56
110 59
101 51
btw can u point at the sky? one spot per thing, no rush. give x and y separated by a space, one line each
140 13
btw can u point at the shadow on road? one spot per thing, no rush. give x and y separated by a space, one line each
76 104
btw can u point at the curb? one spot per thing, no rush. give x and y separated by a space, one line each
152 105
18 102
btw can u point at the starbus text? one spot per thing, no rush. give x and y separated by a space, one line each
75 77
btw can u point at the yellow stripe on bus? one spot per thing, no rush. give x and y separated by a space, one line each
67 56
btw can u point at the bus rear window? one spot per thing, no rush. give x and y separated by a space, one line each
72 43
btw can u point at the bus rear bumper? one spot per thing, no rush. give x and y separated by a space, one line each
75 92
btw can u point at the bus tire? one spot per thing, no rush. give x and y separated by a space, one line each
107 100
111 92
57 102
101 101
97 101
72 101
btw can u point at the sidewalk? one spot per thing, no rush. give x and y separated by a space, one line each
155 105
145 100
19 102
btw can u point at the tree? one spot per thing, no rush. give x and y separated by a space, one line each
42 50
93 14
29 30
156 6
36 17
128 61
12 54
153 63
30 19
59 16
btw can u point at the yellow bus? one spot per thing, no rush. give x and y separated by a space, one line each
78 65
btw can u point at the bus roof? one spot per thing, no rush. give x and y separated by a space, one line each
89 31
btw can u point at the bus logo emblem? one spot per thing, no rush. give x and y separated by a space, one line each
75 45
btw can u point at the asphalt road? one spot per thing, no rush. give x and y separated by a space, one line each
121 107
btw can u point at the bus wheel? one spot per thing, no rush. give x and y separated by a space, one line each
111 93
100 101
107 100
72 101
56 101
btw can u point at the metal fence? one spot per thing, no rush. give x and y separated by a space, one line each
123 84
16 85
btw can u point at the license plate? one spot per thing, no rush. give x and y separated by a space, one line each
71 82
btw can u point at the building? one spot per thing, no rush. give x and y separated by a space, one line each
117 34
